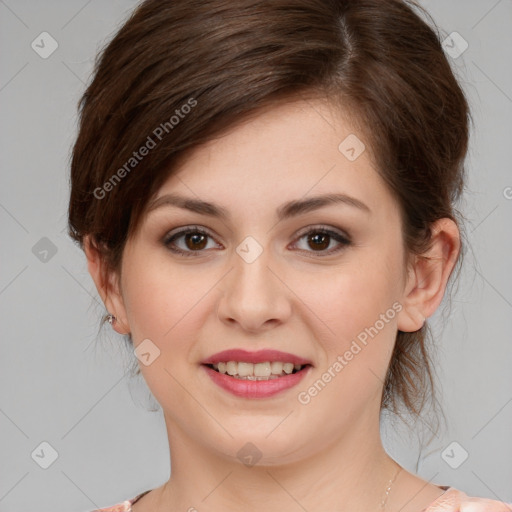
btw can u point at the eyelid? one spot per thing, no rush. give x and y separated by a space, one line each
323 228
184 229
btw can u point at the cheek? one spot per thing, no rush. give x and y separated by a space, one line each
356 306
159 295
350 300
162 304
356 314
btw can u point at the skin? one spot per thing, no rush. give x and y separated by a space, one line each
327 454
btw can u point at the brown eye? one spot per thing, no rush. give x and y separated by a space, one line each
317 240
195 241
188 242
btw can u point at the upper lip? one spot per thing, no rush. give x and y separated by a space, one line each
260 356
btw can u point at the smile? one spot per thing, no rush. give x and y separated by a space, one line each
256 374
257 371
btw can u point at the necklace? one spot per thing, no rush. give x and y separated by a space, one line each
385 499
382 504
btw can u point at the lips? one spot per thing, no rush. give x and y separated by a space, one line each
250 386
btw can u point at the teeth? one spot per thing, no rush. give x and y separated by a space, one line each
232 368
276 368
260 369
245 369
288 368
257 371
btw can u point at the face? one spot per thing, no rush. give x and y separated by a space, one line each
266 268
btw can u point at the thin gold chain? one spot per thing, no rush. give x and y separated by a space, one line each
385 499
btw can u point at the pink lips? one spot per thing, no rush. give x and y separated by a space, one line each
255 388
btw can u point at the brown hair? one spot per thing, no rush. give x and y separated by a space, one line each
188 69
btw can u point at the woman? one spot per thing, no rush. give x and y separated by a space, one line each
265 193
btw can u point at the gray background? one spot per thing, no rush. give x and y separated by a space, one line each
63 384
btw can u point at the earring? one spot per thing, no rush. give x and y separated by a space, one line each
111 319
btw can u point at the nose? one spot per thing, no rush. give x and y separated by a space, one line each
253 297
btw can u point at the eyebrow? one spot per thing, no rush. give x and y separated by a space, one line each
286 211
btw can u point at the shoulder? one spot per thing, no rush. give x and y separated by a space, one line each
124 506
453 500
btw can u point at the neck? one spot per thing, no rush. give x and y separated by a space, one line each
351 473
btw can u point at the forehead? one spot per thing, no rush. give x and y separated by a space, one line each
294 150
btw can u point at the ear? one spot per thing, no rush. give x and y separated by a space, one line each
428 276
107 284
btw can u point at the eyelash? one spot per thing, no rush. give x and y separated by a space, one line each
343 240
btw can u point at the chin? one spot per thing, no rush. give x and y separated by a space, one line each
257 448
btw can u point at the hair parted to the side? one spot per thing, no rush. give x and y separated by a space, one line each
377 61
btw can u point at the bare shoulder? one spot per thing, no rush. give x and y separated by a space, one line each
412 493
120 507
148 501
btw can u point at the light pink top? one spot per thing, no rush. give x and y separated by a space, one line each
452 500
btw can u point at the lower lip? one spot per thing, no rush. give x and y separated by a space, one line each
255 388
